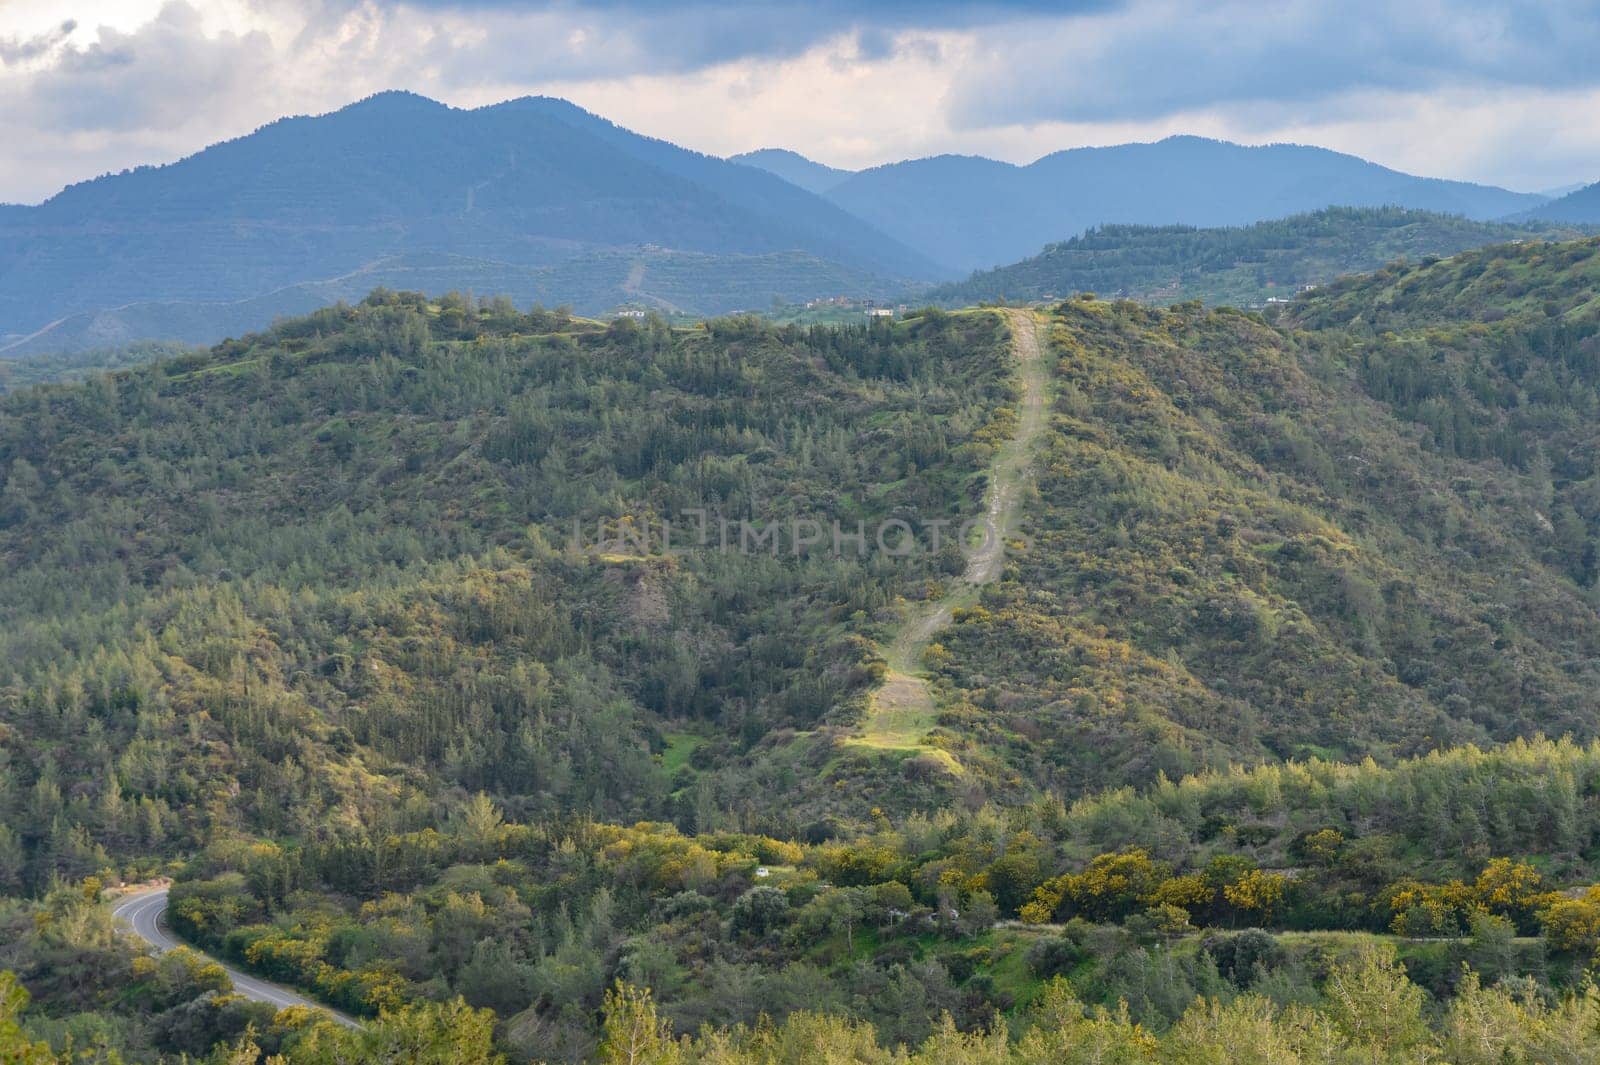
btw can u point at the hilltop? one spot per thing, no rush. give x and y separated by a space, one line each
1217 504
794 168
421 457
1514 288
1243 266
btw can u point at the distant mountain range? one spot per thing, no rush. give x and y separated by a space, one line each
527 185
970 213
538 199
1581 206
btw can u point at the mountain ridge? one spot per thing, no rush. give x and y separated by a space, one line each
1579 205
554 191
970 212
531 182
681 283
793 168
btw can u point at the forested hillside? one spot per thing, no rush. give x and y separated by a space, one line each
1253 713
1581 205
310 576
89 362
1243 267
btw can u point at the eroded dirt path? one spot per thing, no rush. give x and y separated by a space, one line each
902 710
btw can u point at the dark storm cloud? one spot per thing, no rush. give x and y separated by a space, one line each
1155 59
1097 60
683 36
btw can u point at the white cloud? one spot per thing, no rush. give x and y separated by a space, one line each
1503 93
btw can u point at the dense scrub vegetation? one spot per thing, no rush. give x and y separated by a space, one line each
18 373
1243 266
1221 910
965 914
1373 1013
1496 357
1248 734
1238 556
310 579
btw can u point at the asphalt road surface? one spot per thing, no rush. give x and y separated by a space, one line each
142 912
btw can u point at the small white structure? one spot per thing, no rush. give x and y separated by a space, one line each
879 312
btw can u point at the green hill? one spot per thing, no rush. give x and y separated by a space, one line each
424 467
1282 613
1246 266
1515 287
1248 546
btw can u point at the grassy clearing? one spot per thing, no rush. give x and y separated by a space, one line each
680 747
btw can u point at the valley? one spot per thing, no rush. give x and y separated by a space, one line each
615 533
1285 626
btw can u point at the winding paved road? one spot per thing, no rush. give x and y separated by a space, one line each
142 911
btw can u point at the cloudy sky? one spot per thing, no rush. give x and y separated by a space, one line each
1504 92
